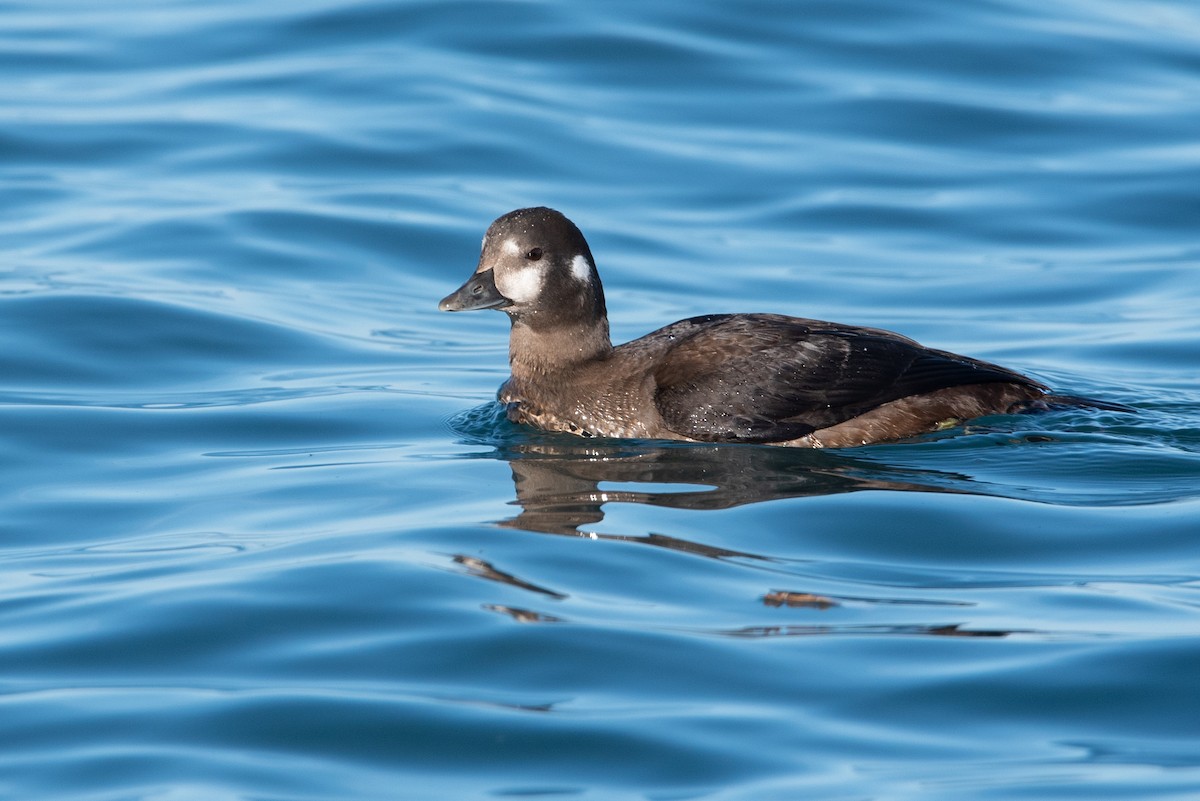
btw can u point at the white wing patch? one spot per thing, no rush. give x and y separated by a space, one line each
581 268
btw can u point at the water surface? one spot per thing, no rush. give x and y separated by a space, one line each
264 535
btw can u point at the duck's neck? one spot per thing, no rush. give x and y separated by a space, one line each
537 352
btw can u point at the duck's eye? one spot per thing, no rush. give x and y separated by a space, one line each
534 254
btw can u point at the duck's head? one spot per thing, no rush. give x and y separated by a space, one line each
536 267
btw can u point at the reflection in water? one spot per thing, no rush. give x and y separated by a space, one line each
559 485
522 615
562 486
951 630
808 599
483 569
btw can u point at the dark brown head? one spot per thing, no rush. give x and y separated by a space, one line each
537 268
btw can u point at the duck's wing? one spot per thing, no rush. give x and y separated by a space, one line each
768 378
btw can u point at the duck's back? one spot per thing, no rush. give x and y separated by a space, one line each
770 378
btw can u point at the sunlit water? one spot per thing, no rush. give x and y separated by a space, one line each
263 535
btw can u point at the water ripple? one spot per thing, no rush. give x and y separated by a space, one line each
266 535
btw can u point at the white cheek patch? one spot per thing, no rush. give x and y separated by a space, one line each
511 247
522 285
581 268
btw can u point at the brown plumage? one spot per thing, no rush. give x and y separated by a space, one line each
761 378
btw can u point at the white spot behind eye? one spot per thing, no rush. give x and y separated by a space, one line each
511 247
581 268
521 285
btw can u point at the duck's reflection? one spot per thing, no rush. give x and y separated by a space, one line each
949 630
484 569
561 487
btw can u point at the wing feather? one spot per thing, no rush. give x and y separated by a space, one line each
768 378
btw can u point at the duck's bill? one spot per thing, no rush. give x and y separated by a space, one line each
479 292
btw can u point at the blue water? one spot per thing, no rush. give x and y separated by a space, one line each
263 536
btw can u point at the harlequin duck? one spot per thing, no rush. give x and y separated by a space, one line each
754 378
